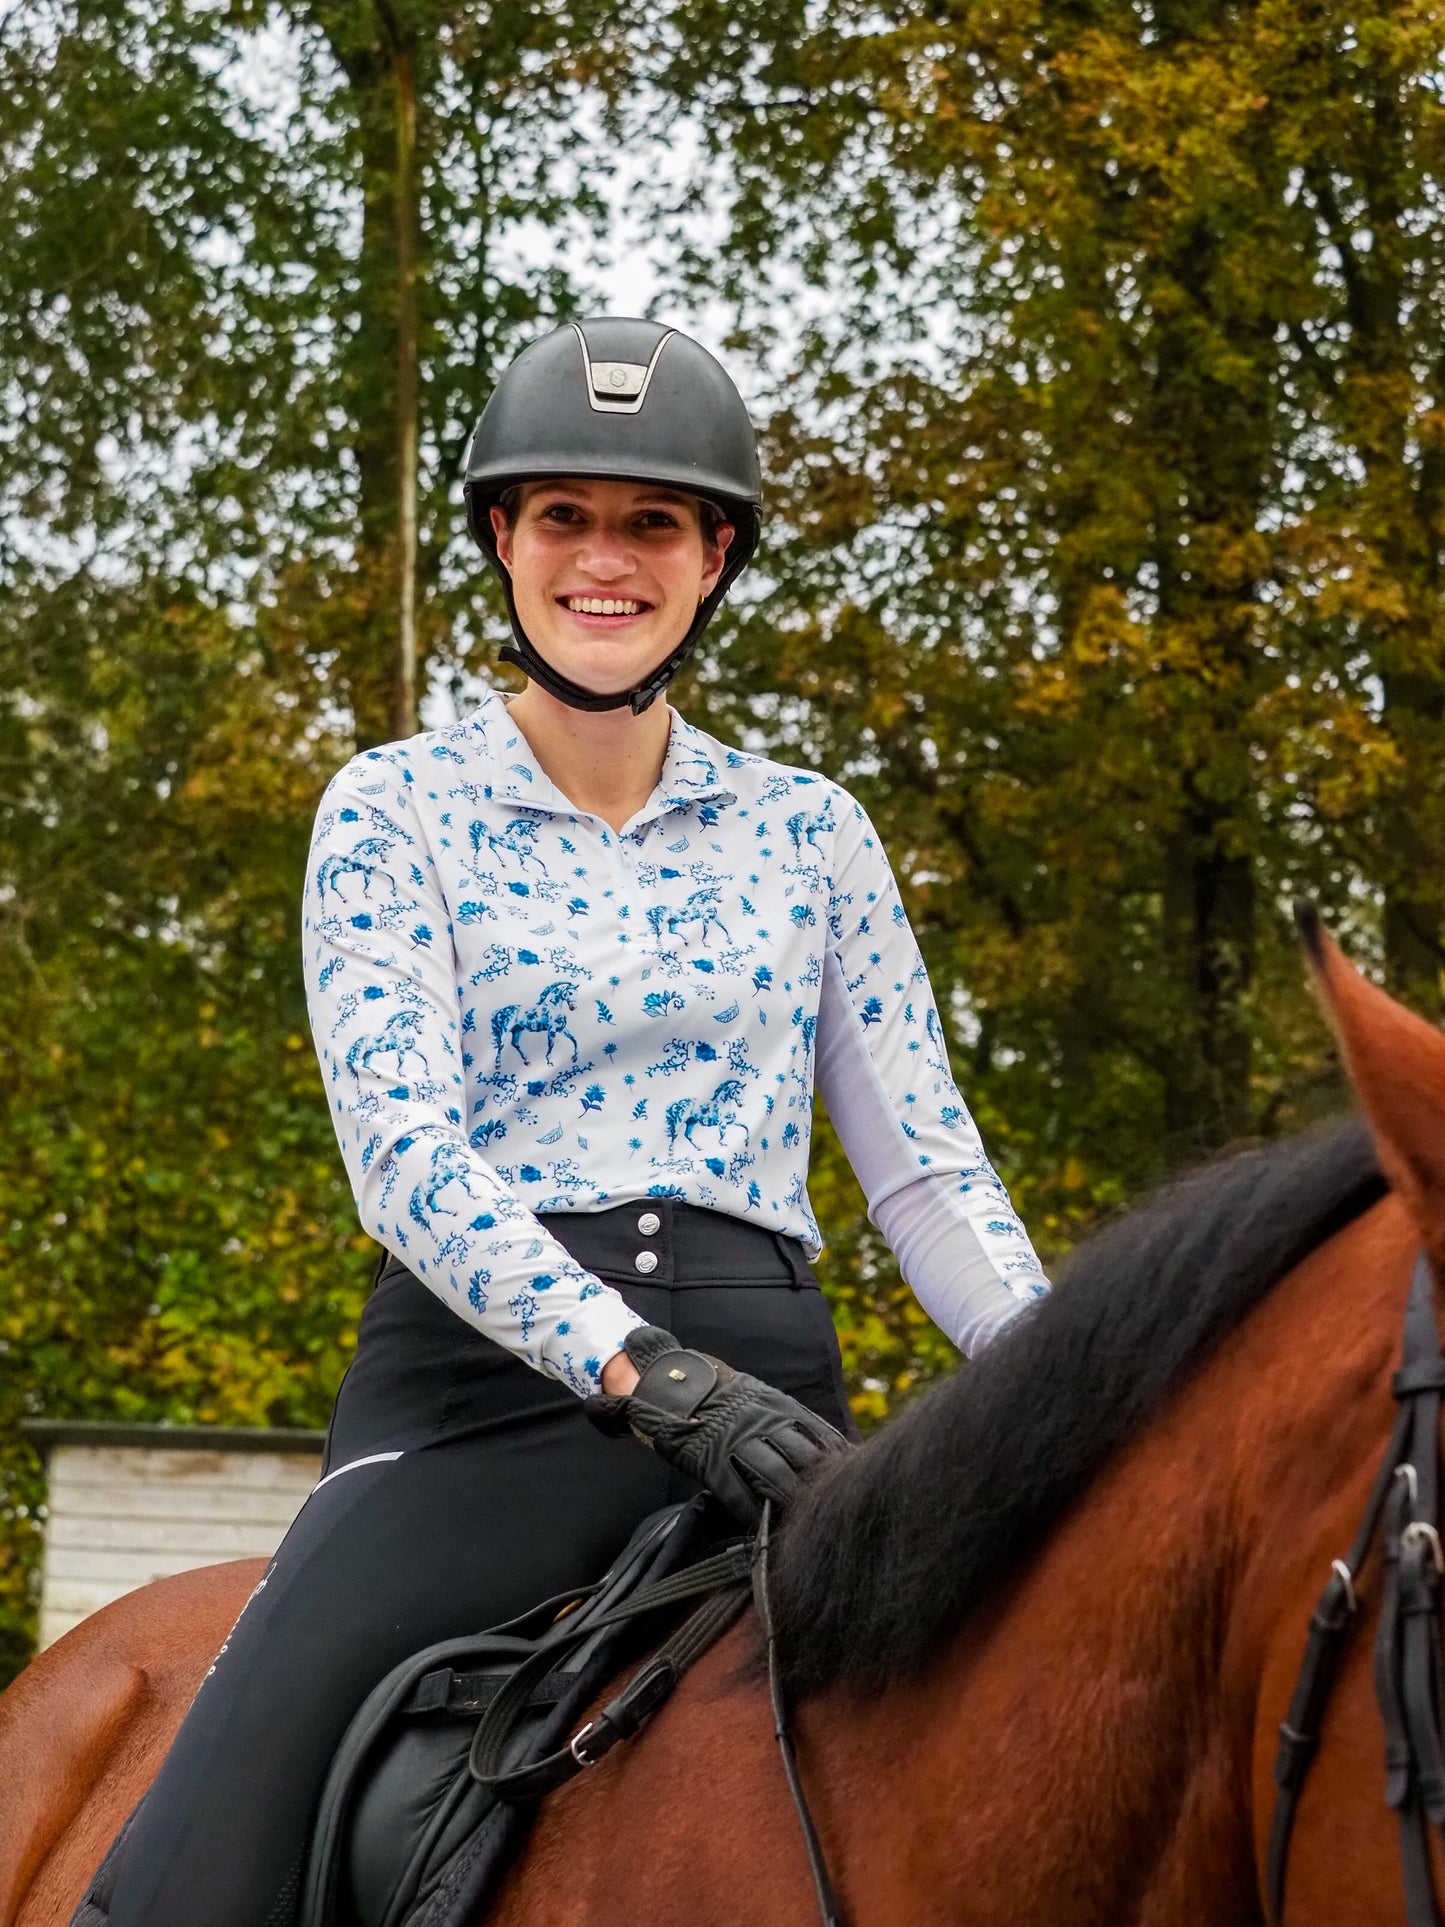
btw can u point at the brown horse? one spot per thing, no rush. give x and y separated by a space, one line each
1040 1633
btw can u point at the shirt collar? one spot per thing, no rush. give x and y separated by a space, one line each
690 772
515 775
690 769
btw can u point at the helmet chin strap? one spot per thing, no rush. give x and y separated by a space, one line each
537 669
528 658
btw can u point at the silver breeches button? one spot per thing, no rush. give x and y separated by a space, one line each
646 1261
649 1224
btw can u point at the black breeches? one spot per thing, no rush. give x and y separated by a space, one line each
459 1488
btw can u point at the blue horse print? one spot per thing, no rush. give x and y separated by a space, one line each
547 1017
692 769
688 1115
701 908
333 868
448 1166
398 1038
517 839
804 828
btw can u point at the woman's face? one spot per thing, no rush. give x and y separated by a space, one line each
607 576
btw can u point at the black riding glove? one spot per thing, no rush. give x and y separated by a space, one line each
742 1439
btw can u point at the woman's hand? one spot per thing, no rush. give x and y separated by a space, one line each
619 1375
742 1439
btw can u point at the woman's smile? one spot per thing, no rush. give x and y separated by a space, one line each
604 612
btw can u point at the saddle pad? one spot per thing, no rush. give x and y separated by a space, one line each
405 1835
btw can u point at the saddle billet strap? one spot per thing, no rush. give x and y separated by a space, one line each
1405 1495
630 1711
445 1691
722 1572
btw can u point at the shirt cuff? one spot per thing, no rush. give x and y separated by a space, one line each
581 1345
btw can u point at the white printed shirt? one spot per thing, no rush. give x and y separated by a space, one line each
518 1009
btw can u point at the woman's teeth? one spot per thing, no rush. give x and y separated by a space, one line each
591 605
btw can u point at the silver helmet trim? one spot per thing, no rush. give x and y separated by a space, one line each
617 387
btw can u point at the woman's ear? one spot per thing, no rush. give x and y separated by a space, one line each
717 556
502 530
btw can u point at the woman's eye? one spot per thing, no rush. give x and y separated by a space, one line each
562 512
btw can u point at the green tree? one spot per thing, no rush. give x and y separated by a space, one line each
1108 472
254 268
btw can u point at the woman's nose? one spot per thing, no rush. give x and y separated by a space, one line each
607 554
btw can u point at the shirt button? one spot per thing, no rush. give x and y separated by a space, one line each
646 1261
649 1224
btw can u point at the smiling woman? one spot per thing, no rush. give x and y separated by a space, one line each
608 577
575 971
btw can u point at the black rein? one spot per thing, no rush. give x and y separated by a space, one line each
1404 1505
725 1581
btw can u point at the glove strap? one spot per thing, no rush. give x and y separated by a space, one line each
676 1383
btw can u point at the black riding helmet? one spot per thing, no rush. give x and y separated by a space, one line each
619 401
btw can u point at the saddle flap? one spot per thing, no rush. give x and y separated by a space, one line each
402 1823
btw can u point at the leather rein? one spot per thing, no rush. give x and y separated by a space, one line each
725 1581
1404 1508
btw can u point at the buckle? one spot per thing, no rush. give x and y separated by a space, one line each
575 1745
1419 1532
1347 1580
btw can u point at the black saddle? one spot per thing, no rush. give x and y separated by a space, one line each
432 1789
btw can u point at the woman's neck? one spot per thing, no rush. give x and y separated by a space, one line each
607 762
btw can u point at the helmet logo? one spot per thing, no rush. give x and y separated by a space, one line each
618 387
617 380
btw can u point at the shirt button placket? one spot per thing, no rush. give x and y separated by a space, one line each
648 1259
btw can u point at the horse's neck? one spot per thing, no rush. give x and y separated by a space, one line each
1086 1750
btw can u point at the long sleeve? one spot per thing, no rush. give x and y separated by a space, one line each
883 1072
381 981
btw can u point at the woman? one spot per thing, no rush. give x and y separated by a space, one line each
574 970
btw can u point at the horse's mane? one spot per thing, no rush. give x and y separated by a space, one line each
878 1564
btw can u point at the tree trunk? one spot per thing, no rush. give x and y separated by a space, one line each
1414 851
1209 925
1214 435
1403 502
407 217
380 655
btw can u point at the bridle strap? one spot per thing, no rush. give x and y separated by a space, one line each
1412 1684
1405 1496
1299 1733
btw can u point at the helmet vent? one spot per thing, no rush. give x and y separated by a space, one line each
618 387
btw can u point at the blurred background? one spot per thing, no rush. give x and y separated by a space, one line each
1099 350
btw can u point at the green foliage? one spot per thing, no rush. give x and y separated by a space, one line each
177 1239
198 483
1108 476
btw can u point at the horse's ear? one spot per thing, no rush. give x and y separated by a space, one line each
1396 1063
